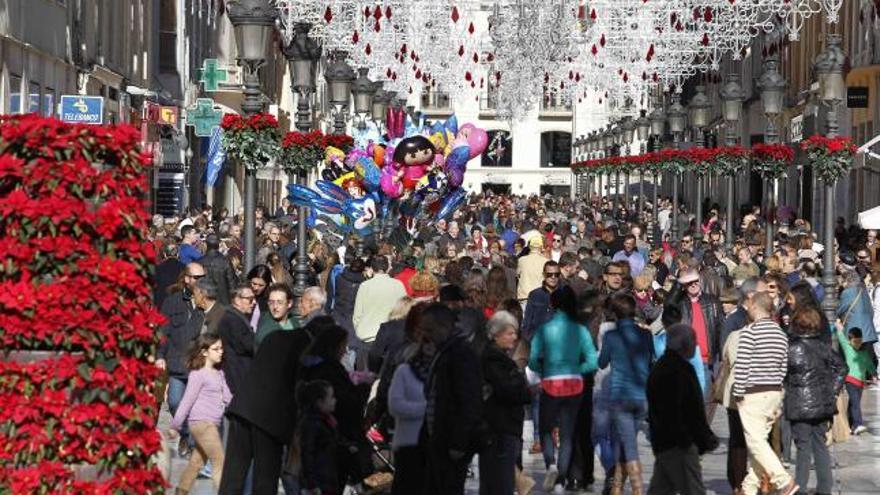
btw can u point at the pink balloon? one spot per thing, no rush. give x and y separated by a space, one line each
477 139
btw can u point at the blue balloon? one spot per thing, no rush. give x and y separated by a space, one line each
331 190
452 125
301 195
451 203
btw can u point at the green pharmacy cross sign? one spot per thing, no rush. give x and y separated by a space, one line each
212 75
203 117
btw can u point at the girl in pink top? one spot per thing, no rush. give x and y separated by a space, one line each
202 406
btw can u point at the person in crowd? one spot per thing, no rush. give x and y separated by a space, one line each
737 452
746 266
505 395
538 309
318 439
406 274
375 300
345 293
280 273
259 278
628 351
219 269
188 251
183 324
571 273
407 404
562 353
323 361
391 333
453 412
168 272
759 371
271 243
679 431
860 369
813 380
854 308
205 295
202 406
311 304
630 255
613 277
530 268
238 338
279 316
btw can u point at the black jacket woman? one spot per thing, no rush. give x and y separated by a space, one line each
505 392
815 376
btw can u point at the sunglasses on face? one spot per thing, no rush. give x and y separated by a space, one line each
551 275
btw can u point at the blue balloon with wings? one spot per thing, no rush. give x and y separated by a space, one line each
349 208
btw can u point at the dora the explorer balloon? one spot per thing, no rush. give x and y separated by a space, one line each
413 157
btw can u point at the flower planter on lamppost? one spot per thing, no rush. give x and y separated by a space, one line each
829 67
772 87
253 22
643 129
676 116
658 126
732 96
699 108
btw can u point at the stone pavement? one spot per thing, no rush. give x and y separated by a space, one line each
857 471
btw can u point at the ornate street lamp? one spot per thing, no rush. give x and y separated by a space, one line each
676 116
303 54
658 125
698 110
253 22
772 86
832 91
732 96
363 90
339 76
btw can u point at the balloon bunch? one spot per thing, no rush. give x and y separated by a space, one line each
416 177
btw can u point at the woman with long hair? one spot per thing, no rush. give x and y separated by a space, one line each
202 407
562 354
497 288
259 278
280 275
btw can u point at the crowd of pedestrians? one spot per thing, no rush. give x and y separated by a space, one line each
429 348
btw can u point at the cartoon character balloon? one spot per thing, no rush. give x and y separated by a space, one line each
413 157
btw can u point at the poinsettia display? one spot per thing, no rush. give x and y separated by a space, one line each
772 161
343 142
74 281
830 158
302 151
251 140
731 160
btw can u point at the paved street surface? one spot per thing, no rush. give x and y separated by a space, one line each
857 472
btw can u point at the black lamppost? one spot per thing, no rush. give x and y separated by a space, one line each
303 54
253 22
339 76
363 90
772 86
677 116
643 129
732 96
832 91
698 110
658 125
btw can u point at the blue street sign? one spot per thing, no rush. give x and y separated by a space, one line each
78 109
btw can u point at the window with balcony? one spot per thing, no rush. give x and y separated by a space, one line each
435 100
555 149
499 152
553 102
168 36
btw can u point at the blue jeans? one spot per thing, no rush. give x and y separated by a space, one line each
561 411
535 414
176 388
855 405
810 441
628 418
604 438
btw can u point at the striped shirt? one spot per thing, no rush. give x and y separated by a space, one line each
761 357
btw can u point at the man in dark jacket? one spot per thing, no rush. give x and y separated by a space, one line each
347 284
238 338
219 269
183 325
538 310
680 433
167 273
263 415
454 403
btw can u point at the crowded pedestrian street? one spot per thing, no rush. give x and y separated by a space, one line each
439 247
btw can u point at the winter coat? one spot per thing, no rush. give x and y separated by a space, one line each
220 271
713 315
319 451
267 398
406 403
238 347
629 351
507 393
815 376
346 292
861 315
537 312
562 347
183 325
675 407
166 275
391 335
351 399
454 394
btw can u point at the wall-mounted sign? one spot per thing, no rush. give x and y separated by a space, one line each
78 109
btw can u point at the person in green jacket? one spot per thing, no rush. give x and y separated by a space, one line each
860 369
562 354
279 317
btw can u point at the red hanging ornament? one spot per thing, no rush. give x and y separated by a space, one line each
497 76
355 38
490 57
471 28
377 12
455 13
394 76
403 49
388 72
366 11
650 54
602 40
594 50
461 50
388 12
377 27
644 76
571 74
593 14
368 50
654 77
328 15
473 84
697 13
577 77
705 40
476 58
625 77
467 76
707 14
412 55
